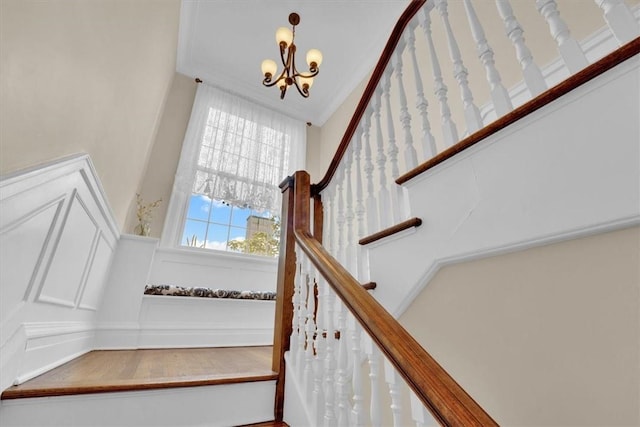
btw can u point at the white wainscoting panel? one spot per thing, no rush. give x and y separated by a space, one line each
130 319
63 284
213 269
57 237
119 312
171 321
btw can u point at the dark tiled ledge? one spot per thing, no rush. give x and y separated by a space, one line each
204 292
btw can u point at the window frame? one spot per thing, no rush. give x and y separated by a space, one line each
178 207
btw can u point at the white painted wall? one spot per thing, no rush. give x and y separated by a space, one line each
57 238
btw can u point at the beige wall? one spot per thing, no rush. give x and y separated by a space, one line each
158 178
314 150
85 76
330 134
546 336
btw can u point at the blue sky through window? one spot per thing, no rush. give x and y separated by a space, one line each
211 223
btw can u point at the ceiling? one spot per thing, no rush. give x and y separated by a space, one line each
223 42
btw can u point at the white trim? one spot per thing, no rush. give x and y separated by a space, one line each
480 253
34 176
51 344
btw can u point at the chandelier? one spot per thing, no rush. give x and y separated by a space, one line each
290 75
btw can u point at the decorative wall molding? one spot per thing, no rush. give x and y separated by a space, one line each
58 234
50 344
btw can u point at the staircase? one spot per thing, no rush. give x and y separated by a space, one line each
526 167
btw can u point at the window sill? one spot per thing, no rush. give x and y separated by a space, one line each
220 255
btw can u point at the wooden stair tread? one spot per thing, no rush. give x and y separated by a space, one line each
103 371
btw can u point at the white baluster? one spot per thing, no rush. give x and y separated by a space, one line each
530 70
373 357
311 333
372 204
394 383
319 359
568 47
302 315
295 324
360 210
357 410
410 155
392 151
449 130
428 141
329 202
383 193
419 413
340 218
499 95
619 19
471 112
344 408
330 360
349 260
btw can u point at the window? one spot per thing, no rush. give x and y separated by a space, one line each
234 156
215 224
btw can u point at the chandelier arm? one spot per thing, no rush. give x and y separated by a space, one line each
307 76
274 82
283 48
294 77
301 91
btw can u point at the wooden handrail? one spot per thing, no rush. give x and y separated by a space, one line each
378 71
446 400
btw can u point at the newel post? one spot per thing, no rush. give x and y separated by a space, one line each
292 210
284 293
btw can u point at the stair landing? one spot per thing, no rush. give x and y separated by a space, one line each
103 371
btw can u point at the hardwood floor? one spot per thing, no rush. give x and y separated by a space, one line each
126 370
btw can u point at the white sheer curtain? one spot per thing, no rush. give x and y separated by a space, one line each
235 151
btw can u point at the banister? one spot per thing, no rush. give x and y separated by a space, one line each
590 72
378 71
446 400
